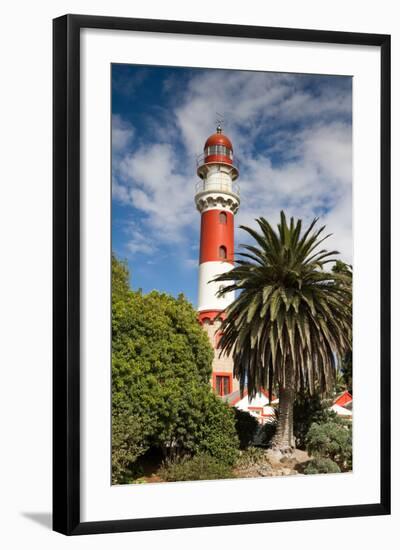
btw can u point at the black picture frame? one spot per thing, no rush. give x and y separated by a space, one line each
66 273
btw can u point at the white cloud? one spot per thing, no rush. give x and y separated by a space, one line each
156 185
251 102
120 192
317 183
309 131
122 134
138 242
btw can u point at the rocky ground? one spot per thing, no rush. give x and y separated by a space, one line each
254 462
270 463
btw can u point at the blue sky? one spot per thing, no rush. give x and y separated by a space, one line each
292 134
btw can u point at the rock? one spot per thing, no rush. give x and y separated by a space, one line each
301 456
274 463
264 470
274 456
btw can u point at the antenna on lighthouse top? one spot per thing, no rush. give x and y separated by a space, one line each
219 120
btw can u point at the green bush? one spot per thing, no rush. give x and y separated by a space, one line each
127 445
333 440
246 427
216 435
199 467
266 433
322 466
306 411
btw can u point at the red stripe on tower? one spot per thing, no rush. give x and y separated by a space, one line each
217 199
216 236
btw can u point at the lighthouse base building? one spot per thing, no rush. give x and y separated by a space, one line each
222 379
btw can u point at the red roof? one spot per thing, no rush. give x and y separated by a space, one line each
218 139
343 399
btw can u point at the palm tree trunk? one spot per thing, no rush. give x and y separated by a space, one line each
283 439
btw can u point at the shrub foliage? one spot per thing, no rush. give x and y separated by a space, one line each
246 427
322 466
308 410
267 433
127 445
198 467
216 433
161 366
331 440
251 457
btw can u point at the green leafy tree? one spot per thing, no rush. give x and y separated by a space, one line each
345 362
161 367
120 280
290 319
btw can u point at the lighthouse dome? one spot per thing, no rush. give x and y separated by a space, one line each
217 156
218 139
218 148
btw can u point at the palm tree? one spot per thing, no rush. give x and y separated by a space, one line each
290 318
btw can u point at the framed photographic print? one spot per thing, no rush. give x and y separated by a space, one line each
221 274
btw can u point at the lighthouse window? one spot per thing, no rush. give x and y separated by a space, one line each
222 252
223 217
219 150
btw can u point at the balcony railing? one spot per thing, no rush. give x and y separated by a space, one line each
200 161
217 186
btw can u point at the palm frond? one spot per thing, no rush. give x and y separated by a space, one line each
289 311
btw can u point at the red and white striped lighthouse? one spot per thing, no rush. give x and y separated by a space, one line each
217 199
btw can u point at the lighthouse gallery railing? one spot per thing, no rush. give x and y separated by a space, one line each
202 185
200 160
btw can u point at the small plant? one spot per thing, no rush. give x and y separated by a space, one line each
333 440
139 481
199 467
322 466
251 457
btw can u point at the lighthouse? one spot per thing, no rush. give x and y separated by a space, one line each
217 199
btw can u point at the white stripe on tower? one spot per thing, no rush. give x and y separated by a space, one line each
208 299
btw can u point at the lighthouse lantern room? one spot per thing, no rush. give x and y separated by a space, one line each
217 199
